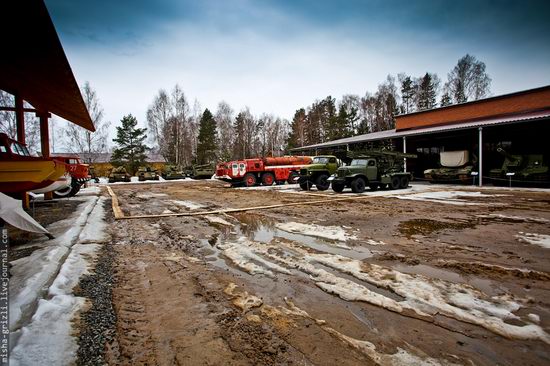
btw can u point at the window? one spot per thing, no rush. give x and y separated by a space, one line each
332 160
3 149
14 149
372 163
235 166
358 162
320 160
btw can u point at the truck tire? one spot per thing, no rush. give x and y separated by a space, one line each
306 186
395 182
404 182
291 177
338 187
249 180
373 186
322 183
358 185
268 179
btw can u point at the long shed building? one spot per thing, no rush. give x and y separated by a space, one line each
517 122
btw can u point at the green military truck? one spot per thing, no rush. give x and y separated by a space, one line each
372 168
318 172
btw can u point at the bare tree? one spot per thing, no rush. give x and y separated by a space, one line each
158 114
468 80
224 120
81 140
7 118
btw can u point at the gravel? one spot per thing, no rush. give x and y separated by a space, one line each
97 328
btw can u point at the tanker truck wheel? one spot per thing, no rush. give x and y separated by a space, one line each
249 180
358 185
338 187
268 179
322 183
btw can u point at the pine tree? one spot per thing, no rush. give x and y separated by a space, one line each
207 144
407 94
130 151
445 100
426 92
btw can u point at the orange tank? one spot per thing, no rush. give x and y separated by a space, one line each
287 160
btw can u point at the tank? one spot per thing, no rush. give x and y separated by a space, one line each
119 174
521 170
147 173
455 167
171 172
203 171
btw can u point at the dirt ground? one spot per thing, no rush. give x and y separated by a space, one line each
452 280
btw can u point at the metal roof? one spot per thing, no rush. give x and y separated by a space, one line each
390 134
34 65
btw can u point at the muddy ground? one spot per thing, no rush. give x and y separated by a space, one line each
459 279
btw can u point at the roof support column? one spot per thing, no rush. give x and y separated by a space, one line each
20 119
480 160
405 151
45 142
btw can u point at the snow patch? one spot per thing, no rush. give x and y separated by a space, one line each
515 218
150 195
48 338
541 240
187 204
326 232
218 220
375 242
448 197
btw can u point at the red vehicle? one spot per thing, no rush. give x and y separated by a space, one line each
78 171
267 171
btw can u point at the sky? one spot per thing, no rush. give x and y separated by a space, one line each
278 56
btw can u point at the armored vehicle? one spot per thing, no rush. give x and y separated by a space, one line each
455 167
318 172
171 172
521 170
372 168
203 171
147 173
119 174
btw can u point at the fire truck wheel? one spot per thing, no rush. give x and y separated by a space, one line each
268 179
249 180
291 177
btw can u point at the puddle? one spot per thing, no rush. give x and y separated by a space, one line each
426 227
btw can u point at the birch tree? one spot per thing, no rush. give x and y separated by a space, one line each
81 140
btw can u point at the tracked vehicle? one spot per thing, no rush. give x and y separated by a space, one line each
147 173
455 167
526 170
171 172
119 174
374 169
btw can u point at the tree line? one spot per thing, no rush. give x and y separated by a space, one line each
185 134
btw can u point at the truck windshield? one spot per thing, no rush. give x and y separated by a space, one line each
359 162
320 160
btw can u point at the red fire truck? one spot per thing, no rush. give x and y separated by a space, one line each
249 172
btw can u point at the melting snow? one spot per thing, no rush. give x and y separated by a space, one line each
48 337
218 220
516 218
541 240
326 232
421 295
150 195
188 204
449 197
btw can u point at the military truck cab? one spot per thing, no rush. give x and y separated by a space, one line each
318 172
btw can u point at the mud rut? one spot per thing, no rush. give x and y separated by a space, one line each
175 305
